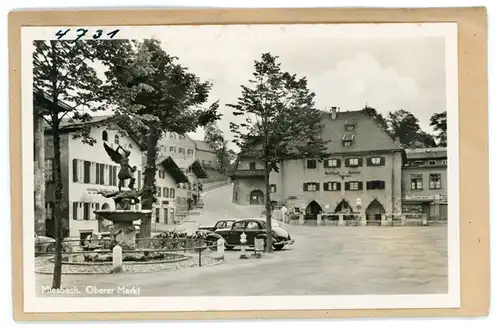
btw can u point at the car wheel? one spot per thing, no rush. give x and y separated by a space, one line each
278 247
229 247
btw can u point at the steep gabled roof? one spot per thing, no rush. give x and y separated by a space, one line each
194 164
170 166
366 134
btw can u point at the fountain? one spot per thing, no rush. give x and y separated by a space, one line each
123 230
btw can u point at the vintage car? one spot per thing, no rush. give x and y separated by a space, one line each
221 224
254 228
44 244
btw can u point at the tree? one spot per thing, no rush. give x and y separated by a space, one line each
215 139
154 94
439 125
280 122
64 85
381 121
39 178
405 126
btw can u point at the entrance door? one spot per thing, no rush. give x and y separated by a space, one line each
374 211
165 215
312 210
257 197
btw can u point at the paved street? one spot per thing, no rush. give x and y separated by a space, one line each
323 260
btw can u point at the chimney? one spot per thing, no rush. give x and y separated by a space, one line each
334 112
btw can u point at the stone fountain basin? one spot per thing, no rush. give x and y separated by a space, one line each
123 215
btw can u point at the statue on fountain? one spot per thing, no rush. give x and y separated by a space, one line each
122 158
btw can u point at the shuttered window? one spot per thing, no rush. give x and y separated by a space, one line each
353 185
375 185
331 186
75 170
311 186
75 210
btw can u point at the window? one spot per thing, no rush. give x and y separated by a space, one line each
331 186
117 139
158 191
435 181
49 210
432 162
172 192
376 161
165 192
163 148
76 210
49 170
349 127
239 225
105 135
161 174
375 185
416 182
311 186
346 143
354 185
157 215
353 162
252 226
252 166
190 152
311 164
445 162
172 149
130 146
329 163
182 151
86 211
272 188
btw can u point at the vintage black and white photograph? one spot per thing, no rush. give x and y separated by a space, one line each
240 167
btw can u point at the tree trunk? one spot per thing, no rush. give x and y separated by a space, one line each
56 282
39 161
149 186
267 202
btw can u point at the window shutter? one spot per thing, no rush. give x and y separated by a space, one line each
97 173
382 184
325 163
304 186
97 206
339 186
382 160
360 161
360 185
113 178
346 186
325 186
75 170
369 185
86 171
86 211
101 174
369 161
110 172
75 211
139 179
347 162
317 186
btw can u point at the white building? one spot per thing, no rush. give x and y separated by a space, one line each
176 146
86 170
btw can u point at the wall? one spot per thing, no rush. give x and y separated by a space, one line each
206 158
244 186
165 200
87 192
293 173
425 171
177 142
51 187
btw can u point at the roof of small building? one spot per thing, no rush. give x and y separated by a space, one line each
203 146
193 163
172 168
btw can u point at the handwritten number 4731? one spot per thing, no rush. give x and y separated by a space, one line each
81 32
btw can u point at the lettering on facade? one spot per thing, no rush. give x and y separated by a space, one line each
423 197
343 174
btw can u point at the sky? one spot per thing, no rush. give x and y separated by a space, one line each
344 70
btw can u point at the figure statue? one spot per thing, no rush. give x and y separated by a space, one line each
122 158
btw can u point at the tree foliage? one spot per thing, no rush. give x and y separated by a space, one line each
279 121
405 126
215 139
381 121
439 124
154 94
65 85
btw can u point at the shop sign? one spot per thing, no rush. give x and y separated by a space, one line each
423 197
94 191
343 174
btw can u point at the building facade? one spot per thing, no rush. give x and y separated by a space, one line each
206 154
425 183
361 176
86 170
176 146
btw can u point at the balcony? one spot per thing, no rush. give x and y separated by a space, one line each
248 174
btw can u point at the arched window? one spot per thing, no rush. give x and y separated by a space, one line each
117 139
172 193
105 135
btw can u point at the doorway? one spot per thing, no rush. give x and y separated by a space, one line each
312 210
374 211
257 197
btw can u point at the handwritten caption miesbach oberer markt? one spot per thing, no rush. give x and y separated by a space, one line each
93 290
